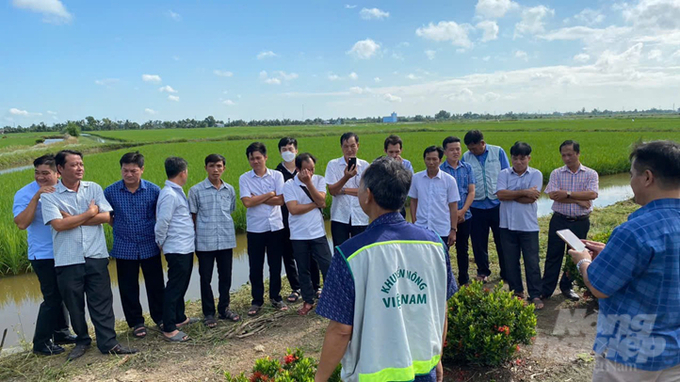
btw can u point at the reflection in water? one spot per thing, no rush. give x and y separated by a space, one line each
21 297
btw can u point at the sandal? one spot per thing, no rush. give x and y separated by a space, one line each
482 278
188 321
230 315
538 304
306 308
210 321
279 305
318 294
294 296
254 310
139 331
179 337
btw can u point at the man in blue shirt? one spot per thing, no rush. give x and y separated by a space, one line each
52 316
393 148
133 218
636 275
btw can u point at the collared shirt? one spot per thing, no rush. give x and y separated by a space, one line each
584 179
338 299
310 225
287 175
39 235
464 178
514 215
434 196
263 217
174 228
134 218
345 208
639 269
74 245
213 208
503 158
407 164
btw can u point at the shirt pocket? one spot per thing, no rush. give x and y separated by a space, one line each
225 202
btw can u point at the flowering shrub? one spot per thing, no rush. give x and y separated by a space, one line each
294 367
486 327
570 267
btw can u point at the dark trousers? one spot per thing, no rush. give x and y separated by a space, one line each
91 280
556 250
480 223
206 263
291 267
462 238
341 232
52 315
306 253
258 244
179 275
513 243
128 285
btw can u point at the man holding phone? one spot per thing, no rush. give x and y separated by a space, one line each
343 176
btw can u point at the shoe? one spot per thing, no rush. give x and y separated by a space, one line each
571 295
48 349
120 349
65 339
77 352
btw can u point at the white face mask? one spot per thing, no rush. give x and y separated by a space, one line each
288 156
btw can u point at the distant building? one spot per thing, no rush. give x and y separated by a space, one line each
391 119
219 124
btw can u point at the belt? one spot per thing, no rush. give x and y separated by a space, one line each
572 218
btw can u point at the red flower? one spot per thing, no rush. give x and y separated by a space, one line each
257 377
517 348
504 329
289 358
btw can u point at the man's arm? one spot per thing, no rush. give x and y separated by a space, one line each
453 216
71 222
256 200
336 187
296 208
164 211
25 217
334 347
526 196
275 201
100 218
414 209
318 197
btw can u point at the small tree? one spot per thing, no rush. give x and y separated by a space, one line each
72 129
443 114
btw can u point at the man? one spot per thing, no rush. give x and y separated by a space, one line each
133 200
174 233
305 196
487 161
288 148
386 291
434 197
393 147
518 189
572 188
262 194
465 179
51 327
211 203
76 211
347 218
636 276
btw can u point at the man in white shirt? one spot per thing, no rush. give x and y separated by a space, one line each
261 192
305 197
434 197
347 218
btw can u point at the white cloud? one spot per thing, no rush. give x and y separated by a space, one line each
52 10
398 56
522 55
676 54
229 102
490 29
412 76
377 79
494 9
173 15
151 78
431 54
51 112
533 20
173 98
266 54
167 88
277 77
582 57
287 76
447 31
15 111
106 81
364 49
272 81
356 90
463 95
373 14
491 96
347 6
590 17
333 77
223 73
663 14
655 54
353 76
391 98
150 111
263 75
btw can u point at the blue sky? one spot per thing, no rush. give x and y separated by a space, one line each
141 60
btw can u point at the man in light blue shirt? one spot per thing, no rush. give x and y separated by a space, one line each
518 189
393 148
175 235
52 321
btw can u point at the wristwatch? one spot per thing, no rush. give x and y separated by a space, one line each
568 194
454 229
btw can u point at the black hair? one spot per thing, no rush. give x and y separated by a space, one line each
132 158
287 141
662 158
574 144
256 146
430 149
60 158
302 158
214 158
448 140
393 140
520 148
388 181
47 159
174 166
473 137
347 136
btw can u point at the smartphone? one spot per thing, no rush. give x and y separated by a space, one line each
351 163
571 239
